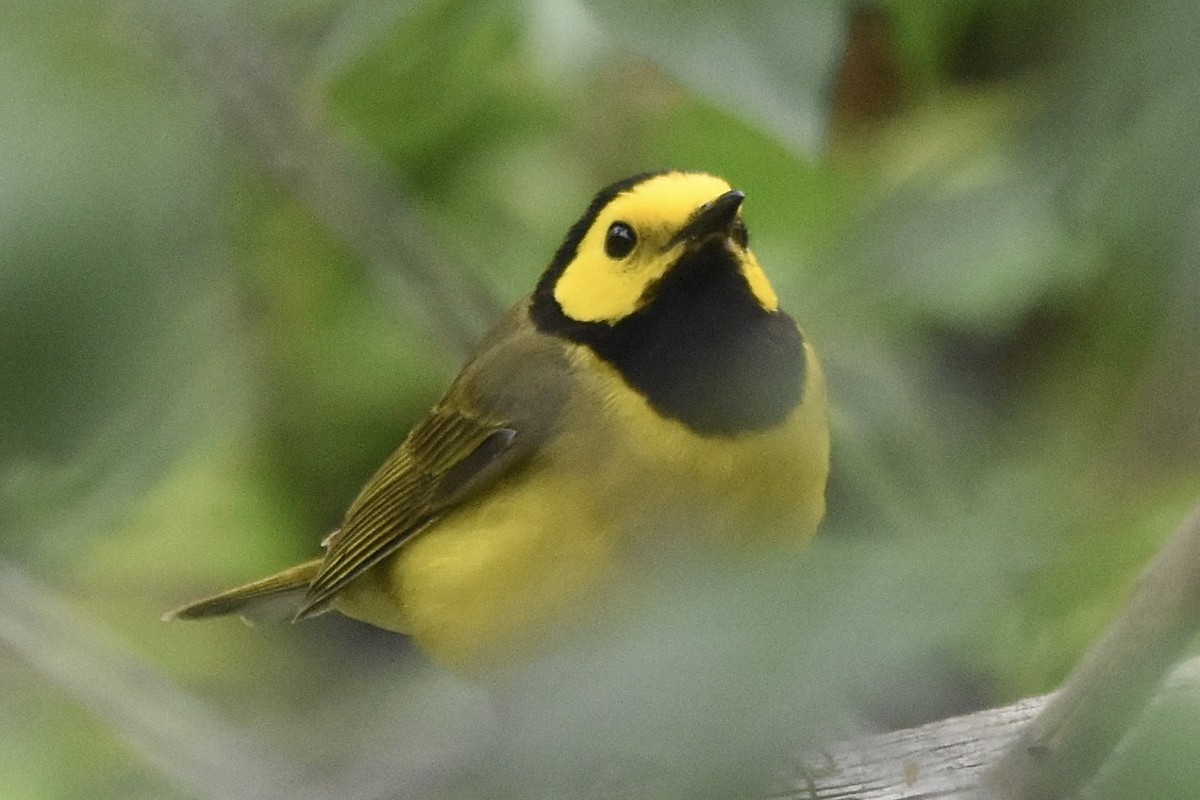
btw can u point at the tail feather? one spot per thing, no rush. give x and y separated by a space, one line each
264 598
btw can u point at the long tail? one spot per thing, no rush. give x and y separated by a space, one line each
274 597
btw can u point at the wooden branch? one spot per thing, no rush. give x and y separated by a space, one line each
1041 747
259 105
942 759
946 760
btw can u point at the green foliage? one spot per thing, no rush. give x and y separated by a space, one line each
766 62
196 376
112 325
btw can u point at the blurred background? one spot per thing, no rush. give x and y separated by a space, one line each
244 248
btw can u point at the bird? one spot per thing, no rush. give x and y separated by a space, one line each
648 396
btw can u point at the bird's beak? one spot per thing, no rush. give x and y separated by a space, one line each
714 218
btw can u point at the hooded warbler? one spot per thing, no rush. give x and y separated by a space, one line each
650 392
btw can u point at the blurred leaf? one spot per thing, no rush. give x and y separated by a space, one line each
110 309
443 83
765 61
727 667
339 378
1158 759
356 28
965 234
170 730
1099 547
980 258
1118 134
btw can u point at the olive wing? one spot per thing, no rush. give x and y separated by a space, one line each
495 415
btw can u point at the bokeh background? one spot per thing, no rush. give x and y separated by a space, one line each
242 249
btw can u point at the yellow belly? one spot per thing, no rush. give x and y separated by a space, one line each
503 574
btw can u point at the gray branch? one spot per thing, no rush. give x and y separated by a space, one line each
948 759
1042 747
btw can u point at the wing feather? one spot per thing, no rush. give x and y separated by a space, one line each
499 410
406 494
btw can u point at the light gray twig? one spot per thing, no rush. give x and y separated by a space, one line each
1076 732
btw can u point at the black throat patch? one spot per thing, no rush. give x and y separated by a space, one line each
701 350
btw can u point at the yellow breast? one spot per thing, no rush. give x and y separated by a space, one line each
503 574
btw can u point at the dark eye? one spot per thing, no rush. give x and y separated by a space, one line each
739 233
619 241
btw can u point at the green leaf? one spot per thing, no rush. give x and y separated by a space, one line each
767 61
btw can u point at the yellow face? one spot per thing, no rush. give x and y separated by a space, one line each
632 244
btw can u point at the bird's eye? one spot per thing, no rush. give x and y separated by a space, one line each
619 241
739 233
